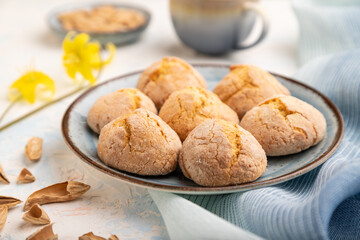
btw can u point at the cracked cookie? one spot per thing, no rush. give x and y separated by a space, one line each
141 143
187 108
284 125
220 153
246 86
167 76
117 104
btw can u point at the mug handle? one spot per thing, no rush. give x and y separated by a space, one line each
265 24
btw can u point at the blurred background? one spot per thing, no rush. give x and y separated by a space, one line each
26 41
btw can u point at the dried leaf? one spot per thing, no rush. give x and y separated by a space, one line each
33 148
25 176
90 236
45 233
3 177
113 237
9 202
60 192
5 204
36 215
3 215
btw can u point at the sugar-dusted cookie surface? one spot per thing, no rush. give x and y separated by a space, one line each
117 104
220 153
246 86
141 143
167 76
187 108
284 125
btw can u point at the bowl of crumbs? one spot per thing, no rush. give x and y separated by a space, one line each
110 22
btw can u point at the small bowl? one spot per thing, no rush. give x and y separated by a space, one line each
117 38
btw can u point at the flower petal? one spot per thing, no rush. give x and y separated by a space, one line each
26 85
111 49
82 56
86 72
68 45
91 55
80 40
46 81
71 71
98 64
28 93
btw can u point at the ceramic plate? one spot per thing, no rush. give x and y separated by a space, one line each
117 38
82 141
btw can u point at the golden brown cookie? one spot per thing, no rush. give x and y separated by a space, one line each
187 108
220 153
117 104
246 86
285 125
141 143
167 76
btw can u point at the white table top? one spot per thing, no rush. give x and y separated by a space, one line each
25 40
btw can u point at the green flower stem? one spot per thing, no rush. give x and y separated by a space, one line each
8 108
78 89
37 109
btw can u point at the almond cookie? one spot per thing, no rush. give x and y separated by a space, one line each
187 108
117 104
246 86
167 76
141 143
284 125
220 153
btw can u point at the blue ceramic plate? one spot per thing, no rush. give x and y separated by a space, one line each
82 141
117 38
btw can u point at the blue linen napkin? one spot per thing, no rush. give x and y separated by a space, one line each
322 204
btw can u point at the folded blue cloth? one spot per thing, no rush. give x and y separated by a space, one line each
326 27
322 204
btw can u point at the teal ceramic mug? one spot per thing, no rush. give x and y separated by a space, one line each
217 26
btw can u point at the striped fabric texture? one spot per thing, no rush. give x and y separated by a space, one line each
322 204
326 27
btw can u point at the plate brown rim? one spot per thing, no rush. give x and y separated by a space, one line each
199 189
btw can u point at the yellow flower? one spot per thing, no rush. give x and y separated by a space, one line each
82 56
30 85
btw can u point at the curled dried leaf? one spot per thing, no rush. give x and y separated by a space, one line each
25 176
3 177
60 192
45 233
36 215
91 236
3 215
33 148
9 202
